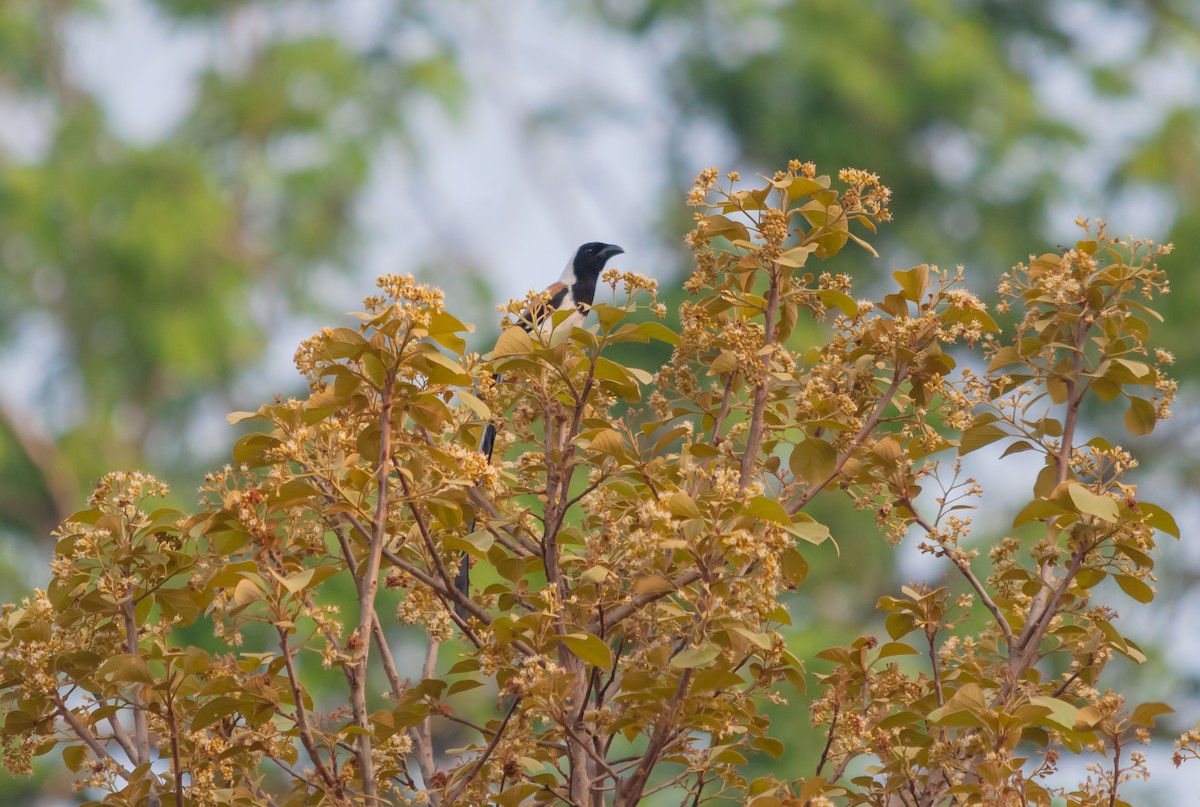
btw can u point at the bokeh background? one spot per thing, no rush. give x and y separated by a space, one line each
189 187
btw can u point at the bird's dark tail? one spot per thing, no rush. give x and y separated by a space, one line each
463 579
488 443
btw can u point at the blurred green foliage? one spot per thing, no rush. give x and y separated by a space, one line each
960 107
145 259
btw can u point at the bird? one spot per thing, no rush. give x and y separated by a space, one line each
574 291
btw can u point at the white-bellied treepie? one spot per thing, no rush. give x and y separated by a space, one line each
574 291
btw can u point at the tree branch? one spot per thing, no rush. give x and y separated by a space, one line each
370 587
622 611
631 790
302 724
89 739
422 735
758 411
1066 450
961 563
867 429
141 731
452 796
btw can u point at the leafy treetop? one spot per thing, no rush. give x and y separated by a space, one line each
632 558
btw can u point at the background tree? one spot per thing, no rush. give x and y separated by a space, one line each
160 268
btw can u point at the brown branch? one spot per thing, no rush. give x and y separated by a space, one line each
1116 774
370 588
668 784
302 724
141 731
1074 677
85 734
118 732
828 739
868 427
631 790
1026 651
963 565
435 556
385 656
477 497
758 410
518 548
931 636
439 588
422 735
176 766
591 752
1063 460
453 795
723 412
348 556
622 611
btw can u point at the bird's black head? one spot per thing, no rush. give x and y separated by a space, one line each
586 267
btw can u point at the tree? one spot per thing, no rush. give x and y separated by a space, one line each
144 259
960 105
632 559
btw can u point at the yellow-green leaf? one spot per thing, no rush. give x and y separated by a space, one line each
813 460
653 584
897 649
696 657
680 504
977 437
73 756
473 403
608 441
1061 714
913 282
1145 713
1140 417
769 509
1159 519
589 648
1092 504
1138 589
513 342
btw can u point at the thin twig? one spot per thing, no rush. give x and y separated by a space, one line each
302 724
83 733
370 587
758 410
867 429
435 557
619 613
828 739
453 795
176 766
937 667
964 566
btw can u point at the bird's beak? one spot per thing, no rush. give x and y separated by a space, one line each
610 250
